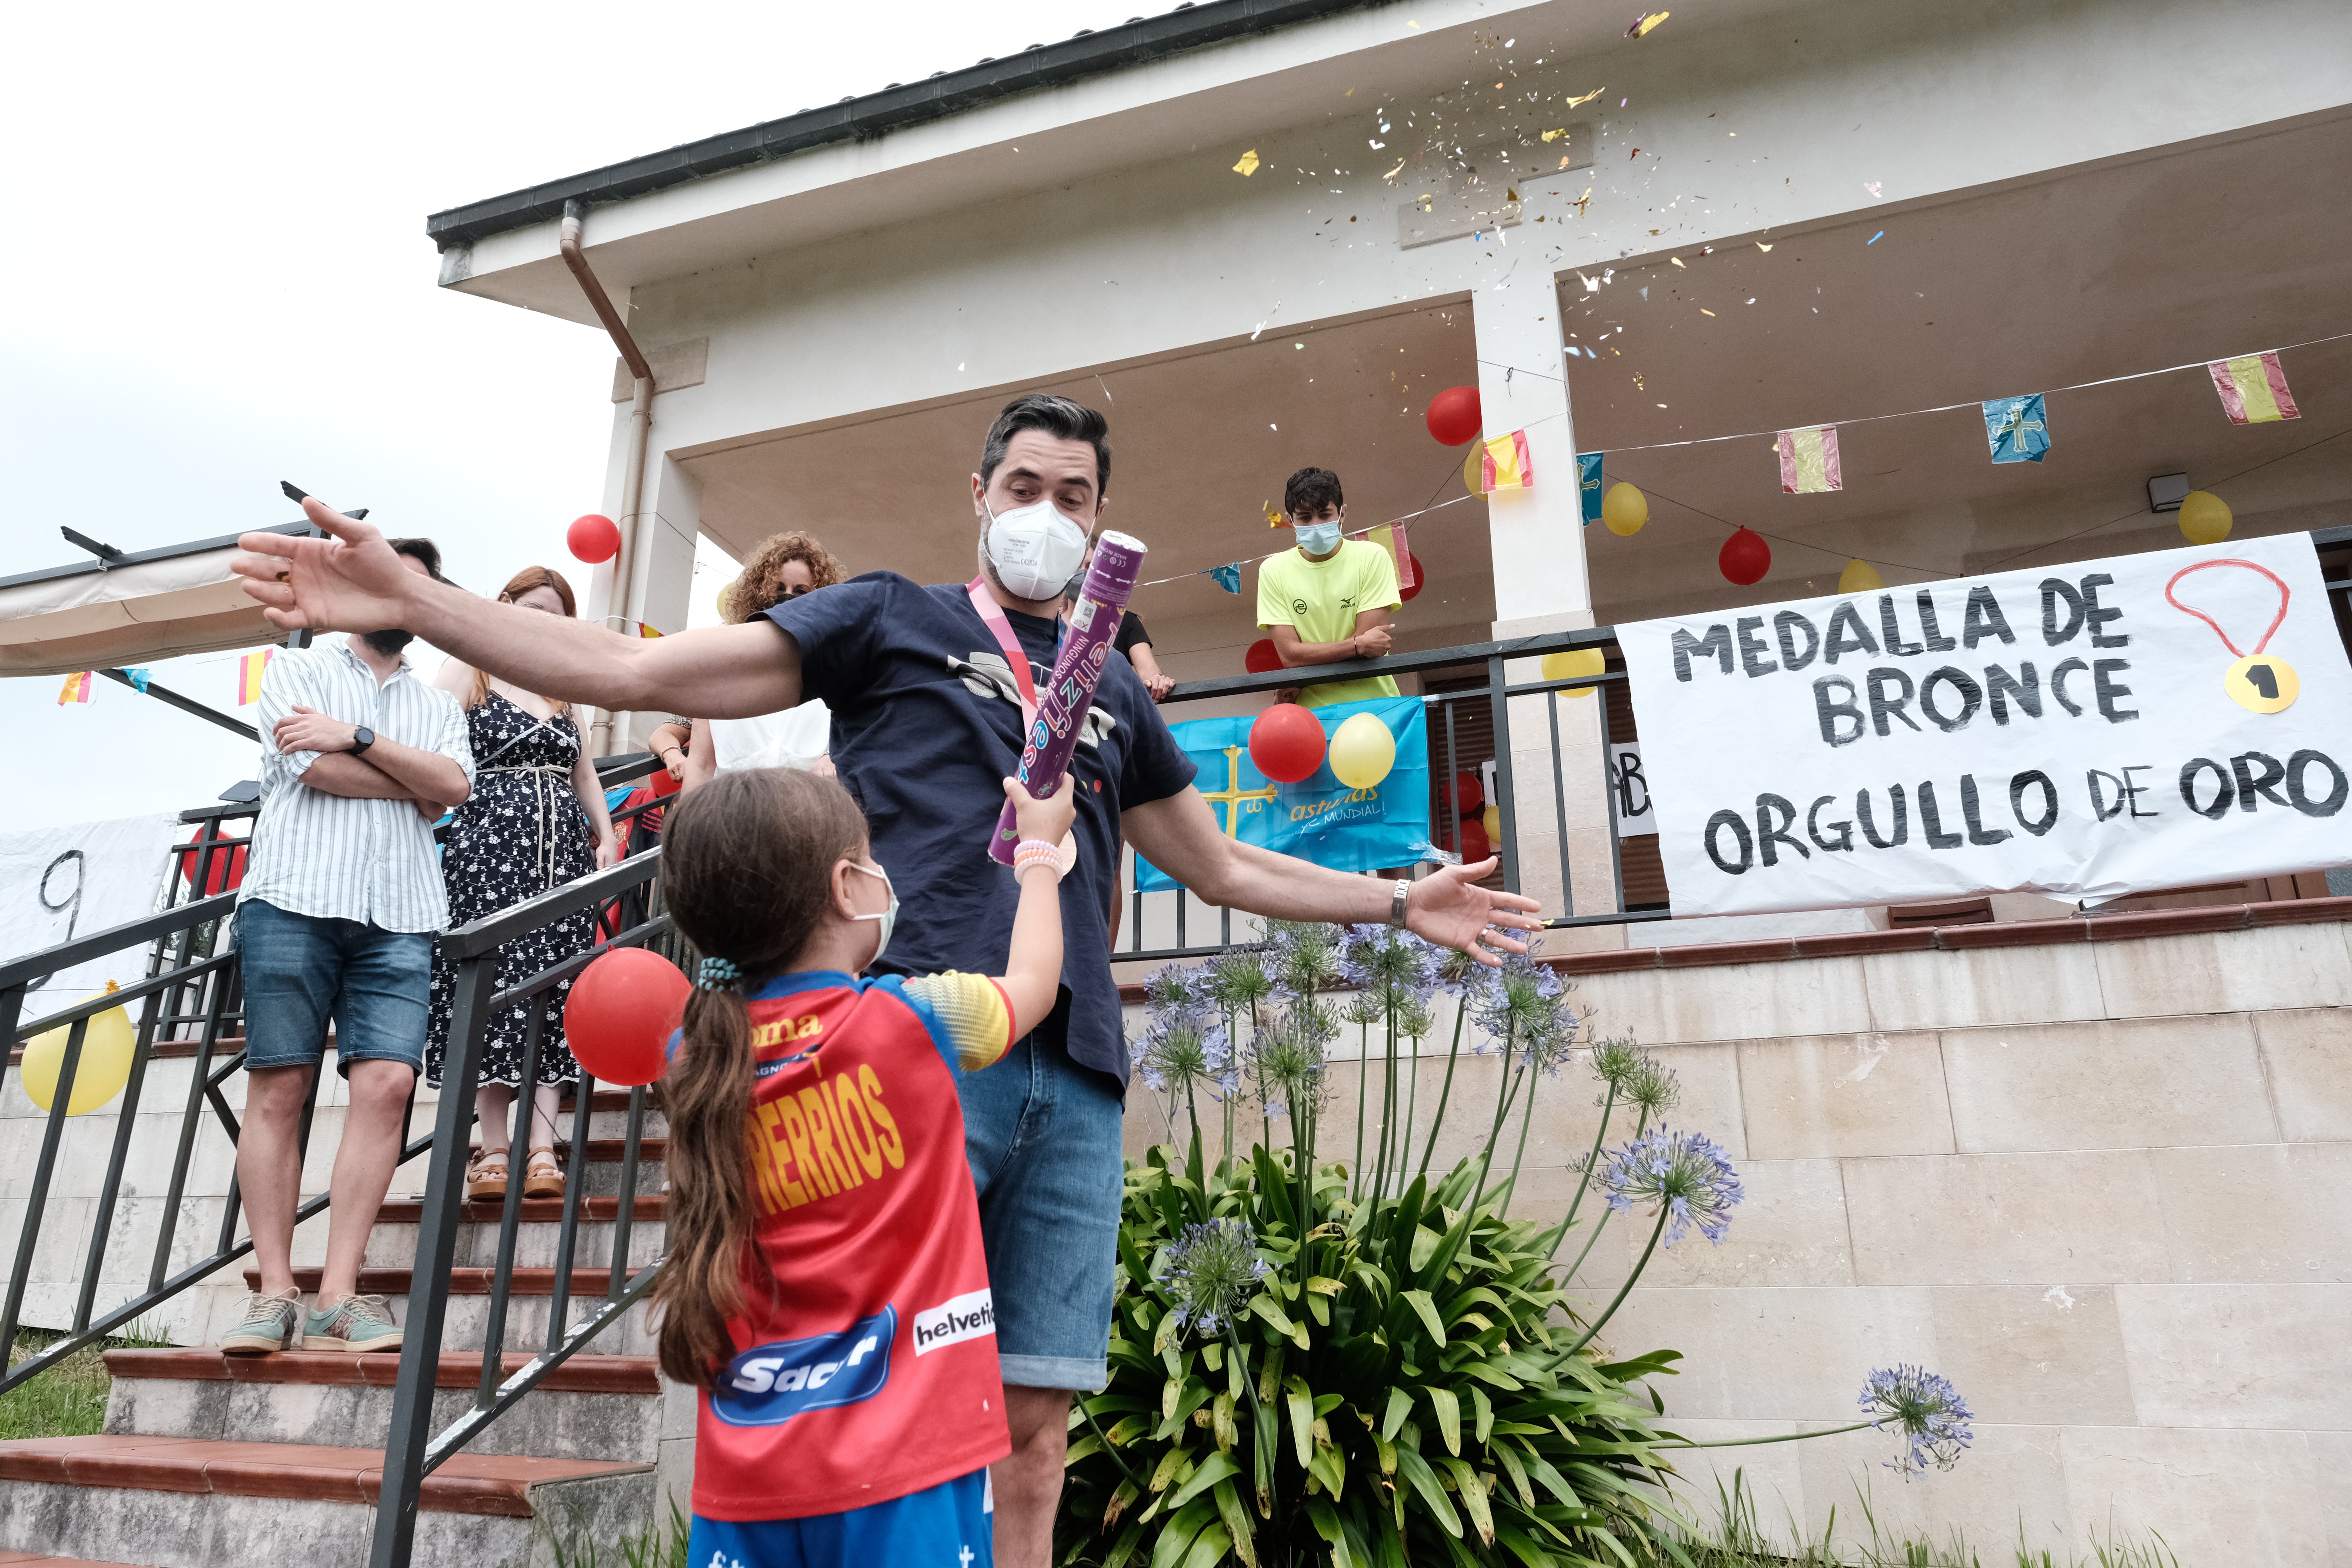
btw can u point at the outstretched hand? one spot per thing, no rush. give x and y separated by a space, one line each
1450 909
348 582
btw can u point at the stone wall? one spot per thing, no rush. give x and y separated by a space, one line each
2097 1184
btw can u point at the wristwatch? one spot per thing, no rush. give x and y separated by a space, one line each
1397 902
361 739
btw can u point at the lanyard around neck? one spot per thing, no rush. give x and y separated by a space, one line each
993 613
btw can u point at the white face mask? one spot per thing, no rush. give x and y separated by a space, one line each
1035 549
1317 538
889 917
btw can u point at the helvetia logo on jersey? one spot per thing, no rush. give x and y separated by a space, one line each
953 1322
768 1385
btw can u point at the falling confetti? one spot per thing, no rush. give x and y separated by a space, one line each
1705 312
1555 135
1581 200
1675 260
1248 165
1764 248
1587 98
1392 173
1642 25
1874 238
1872 187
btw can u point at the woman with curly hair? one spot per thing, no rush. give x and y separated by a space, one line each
784 566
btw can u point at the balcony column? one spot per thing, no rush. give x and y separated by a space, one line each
1541 584
661 563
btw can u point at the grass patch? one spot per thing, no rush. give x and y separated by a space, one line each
70 1399
1738 1541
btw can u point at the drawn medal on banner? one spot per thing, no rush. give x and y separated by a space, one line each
2259 681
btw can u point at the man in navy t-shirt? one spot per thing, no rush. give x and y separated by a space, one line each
926 686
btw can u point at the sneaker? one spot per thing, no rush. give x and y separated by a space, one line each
271 1324
353 1323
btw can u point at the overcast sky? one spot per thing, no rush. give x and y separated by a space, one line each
214 241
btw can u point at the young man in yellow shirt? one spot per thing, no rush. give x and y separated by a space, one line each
1328 601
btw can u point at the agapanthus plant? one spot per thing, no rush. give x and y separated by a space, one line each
1684 1174
1212 1269
1933 1417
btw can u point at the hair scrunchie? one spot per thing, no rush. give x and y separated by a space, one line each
716 974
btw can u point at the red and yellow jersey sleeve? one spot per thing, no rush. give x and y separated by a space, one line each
971 1013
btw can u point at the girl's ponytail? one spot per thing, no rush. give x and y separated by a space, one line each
707 1100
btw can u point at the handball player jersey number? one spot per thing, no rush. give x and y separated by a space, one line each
865 1359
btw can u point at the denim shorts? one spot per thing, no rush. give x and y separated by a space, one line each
301 969
1044 1137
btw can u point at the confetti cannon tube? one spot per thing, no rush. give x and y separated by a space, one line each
1070 691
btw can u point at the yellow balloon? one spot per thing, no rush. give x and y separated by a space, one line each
1859 577
104 1068
724 594
2205 517
1624 509
1362 751
1572 662
1473 469
1491 820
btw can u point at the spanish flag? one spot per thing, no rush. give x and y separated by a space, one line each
1390 536
1506 466
2253 389
77 687
249 676
1808 460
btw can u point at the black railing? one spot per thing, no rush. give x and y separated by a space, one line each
1495 695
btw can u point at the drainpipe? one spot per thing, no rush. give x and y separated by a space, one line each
611 729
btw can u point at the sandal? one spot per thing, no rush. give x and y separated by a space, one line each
543 1175
485 1174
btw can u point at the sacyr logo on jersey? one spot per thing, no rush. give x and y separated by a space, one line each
953 1322
768 1385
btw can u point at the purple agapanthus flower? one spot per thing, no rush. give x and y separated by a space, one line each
1211 1269
1684 1174
1933 1418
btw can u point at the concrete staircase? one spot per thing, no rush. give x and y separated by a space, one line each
216 1461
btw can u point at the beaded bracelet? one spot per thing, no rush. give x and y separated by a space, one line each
1036 852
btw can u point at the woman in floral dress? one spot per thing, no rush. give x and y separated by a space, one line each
536 820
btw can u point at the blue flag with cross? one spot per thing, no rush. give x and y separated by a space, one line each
1319 819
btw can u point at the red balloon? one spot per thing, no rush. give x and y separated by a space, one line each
1420 578
1287 742
1474 846
661 784
621 1010
1469 793
1454 415
1745 558
1261 657
594 539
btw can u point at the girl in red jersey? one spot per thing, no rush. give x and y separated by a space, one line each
825 1287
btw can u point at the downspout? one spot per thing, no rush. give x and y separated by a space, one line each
620 604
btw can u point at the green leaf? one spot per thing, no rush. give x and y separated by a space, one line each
1520 1547
1323 1285
1484 1413
1128 1539
1471 1486
1425 1485
1170 1464
1269 1382
1449 1416
1177 1537
1420 1301
1213 1470
1220 1422
1399 1403
1330 1467
1089 1444
1301 1402
1237 1522
1326 1520
1425 1242
1509 1459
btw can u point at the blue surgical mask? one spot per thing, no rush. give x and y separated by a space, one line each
889 917
1317 538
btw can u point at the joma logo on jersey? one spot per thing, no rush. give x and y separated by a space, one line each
807 1028
768 1385
966 1317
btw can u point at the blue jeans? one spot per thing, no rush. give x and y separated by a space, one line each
301 969
1043 1136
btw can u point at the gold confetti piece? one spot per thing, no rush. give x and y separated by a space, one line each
1587 98
1642 26
1675 260
1764 248
1555 135
1248 165
1510 195
1392 173
1638 384
1705 312
1581 200
1563 162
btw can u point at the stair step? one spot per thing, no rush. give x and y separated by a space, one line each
22 1560
465 1483
583 1373
586 1283
596 1210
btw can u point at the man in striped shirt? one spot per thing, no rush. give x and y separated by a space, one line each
336 918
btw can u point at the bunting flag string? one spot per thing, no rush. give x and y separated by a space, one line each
78 686
1228 576
1505 466
1588 486
2017 429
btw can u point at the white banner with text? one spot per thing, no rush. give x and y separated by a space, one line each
2087 731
